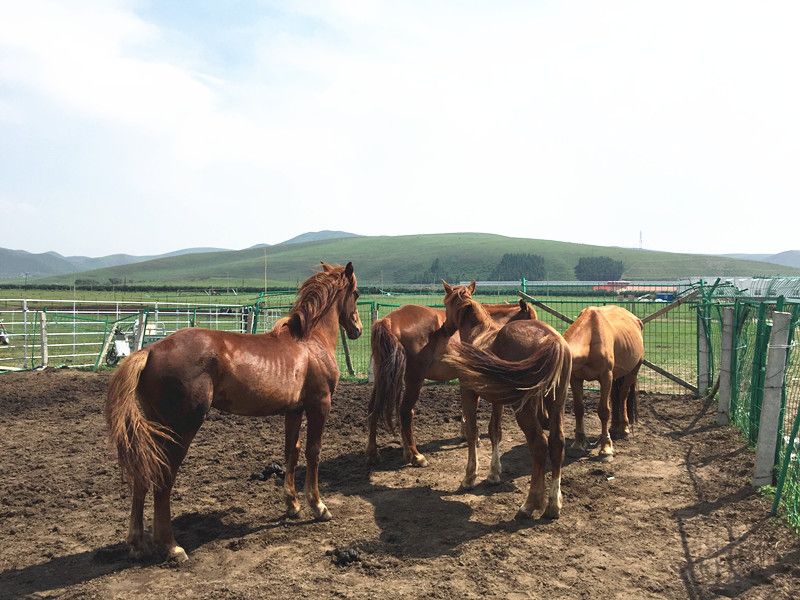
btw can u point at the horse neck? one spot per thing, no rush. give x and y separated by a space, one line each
326 329
476 324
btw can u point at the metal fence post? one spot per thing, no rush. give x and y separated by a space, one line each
703 355
373 319
25 334
726 353
771 401
43 329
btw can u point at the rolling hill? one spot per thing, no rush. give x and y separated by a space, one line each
381 260
16 263
790 258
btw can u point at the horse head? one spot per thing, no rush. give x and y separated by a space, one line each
349 318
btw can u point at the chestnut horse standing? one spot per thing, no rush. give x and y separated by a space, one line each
607 346
525 364
159 396
407 348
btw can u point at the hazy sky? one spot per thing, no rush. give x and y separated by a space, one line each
143 127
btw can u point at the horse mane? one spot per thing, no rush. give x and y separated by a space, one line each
464 303
314 299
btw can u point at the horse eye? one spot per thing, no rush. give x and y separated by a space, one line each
356 294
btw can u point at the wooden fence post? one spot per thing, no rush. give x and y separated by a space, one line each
771 403
43 329
724 410
346 349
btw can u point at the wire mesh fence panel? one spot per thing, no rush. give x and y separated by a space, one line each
788 455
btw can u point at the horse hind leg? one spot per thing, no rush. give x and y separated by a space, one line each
496 436
620 428
410 397
529 422
137 539
373 454
291 452
163 536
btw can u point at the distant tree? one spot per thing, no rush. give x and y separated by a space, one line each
598 268
114 280
516 266
436 269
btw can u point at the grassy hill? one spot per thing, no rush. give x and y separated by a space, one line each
382 260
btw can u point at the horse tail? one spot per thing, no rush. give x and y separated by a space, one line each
136 439
491 376
633 403
389 360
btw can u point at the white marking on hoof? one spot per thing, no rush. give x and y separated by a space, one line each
419 461
177 554
555 500
321 513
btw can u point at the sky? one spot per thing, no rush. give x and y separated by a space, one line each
144 127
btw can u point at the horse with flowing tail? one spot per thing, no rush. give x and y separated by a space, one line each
407 348
524 364
159 397
607 346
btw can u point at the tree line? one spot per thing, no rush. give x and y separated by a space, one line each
515 266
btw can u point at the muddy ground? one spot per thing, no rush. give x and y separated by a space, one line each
673 516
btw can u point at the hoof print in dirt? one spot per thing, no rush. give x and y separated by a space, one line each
342 557
270 470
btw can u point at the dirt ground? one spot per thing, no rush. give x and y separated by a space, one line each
673 516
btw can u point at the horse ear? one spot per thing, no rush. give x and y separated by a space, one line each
523 306
447 287
348 270
325 266
471 287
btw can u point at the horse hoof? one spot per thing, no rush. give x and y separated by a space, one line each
177 554
576 451
468 483
605 457
373 459
552 512
493 479
419 461
324 515
524 513
620 435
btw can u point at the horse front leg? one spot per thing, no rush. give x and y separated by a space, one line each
316 424
496 435
579 445
469 408
291 452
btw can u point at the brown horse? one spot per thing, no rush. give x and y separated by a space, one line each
608 347
407 348
159 396
525 364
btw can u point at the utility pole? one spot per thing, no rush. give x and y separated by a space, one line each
265 271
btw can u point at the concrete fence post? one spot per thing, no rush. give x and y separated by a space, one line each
141 324
771 404
726 354
43 329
